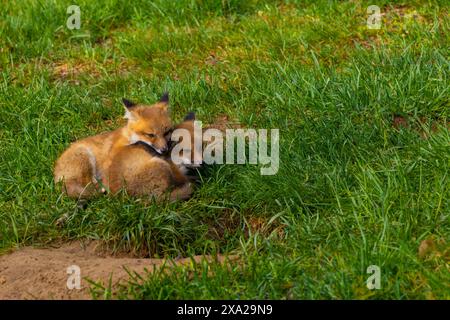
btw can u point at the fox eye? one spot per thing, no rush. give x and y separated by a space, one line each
150 135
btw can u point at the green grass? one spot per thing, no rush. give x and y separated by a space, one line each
352 190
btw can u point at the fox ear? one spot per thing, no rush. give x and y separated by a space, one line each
163 102
164 98
190 116
128 108
127 103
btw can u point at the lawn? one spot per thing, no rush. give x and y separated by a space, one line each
364 141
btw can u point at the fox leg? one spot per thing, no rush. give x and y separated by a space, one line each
183 192
76 169
154 177
183 188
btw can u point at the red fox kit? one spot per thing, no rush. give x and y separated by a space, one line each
84 167
141 172
186 150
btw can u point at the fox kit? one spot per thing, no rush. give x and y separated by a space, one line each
183 146
142 172
85 166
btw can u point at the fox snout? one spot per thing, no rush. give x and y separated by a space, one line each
161 146
164 149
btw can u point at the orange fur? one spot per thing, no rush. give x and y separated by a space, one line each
84 168
140 173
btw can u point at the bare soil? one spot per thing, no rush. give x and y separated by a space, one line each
38 273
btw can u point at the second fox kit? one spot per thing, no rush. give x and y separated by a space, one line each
86 167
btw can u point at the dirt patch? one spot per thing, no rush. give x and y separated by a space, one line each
433 247
34 273
399 122
425 127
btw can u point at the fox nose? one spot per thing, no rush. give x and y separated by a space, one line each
164 149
